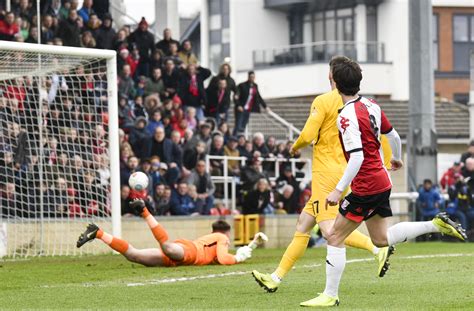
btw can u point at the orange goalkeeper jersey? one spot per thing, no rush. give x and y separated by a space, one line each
213 248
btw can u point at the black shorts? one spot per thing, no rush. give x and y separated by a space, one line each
360 208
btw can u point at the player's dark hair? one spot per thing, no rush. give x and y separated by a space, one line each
220 226
336 60
347 76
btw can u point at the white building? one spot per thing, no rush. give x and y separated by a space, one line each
292 40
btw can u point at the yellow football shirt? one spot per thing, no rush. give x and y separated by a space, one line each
321 129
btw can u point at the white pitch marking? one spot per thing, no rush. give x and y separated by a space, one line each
226 274
220 275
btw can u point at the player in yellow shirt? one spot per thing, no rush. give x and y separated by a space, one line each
328 167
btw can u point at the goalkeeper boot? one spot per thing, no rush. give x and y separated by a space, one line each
88 235
382 258
138 205
265 281
448 227
322 300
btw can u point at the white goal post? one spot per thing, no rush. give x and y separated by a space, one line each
59 147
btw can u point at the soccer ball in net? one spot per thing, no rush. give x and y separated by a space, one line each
138 181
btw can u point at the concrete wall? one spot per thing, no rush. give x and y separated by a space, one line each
310 79
392 23
253 27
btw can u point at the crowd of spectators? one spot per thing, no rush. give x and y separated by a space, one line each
172 113
454 194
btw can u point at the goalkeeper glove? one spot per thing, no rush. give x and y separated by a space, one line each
243 253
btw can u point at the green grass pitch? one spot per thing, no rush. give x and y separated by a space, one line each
422 277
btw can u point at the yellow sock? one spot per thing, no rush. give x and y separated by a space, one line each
293 252
358 240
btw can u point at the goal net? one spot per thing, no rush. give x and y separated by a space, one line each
58 115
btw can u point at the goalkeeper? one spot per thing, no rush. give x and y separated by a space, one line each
208 249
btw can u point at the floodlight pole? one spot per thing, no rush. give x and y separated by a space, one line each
422 138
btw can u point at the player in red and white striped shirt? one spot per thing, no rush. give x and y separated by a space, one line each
361 123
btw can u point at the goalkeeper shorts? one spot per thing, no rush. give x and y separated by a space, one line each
190 253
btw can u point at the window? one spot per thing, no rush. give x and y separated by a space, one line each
462 98
435 41
463 41
214 7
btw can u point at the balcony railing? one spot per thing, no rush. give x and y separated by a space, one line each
319 52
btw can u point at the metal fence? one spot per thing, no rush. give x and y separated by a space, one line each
319 52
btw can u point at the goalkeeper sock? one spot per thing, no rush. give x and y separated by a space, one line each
293 252
116 244
358 240
404 231
335 264
158 231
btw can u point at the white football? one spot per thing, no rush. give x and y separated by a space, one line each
138 181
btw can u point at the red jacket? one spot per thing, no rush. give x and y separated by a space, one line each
448 179
8 31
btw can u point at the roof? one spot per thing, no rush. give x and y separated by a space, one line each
451 119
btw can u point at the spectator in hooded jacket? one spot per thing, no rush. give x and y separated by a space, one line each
69 30
105 35
144 41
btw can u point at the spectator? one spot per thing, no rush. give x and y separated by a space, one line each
287 178
460 201
132 167
251 174
47 29
204 186
192 91
204 135
93 24
181 203
139 136
53 8
126 85
144 41
162 200
154 122
429 200
187 55
249 101
26 10
259 144
8 27
272 146
285 202
258 200
218 101
220 210
125 201
171 79
174 56
63 12
448 179
155 86
166 150
57 204
69 31
164 44
217 149
120 40
105 35
193 156
224 73
468 173
86 11
156 59
87 40
230 150
247 151
469 153
191 118
137 108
